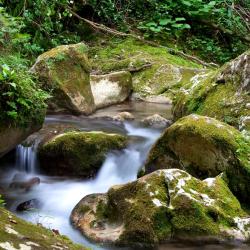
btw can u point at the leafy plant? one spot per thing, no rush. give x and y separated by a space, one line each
21 100
48 23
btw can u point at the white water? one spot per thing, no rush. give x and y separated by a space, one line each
26 160
60 196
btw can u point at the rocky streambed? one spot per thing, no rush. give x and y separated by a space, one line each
115 207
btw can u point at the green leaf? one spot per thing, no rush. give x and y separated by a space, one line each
151 24
12 84
178 19
12 114
164 22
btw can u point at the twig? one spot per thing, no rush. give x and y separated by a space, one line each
137 69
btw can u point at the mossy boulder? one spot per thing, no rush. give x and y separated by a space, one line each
15 233
78 153
223 94
204 147
111 88
166 205
65 70
154 70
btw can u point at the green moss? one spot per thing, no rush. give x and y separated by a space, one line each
28 232
167 205
204 147
225 101
78 153
70 87
166 69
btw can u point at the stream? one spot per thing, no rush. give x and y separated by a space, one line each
58 195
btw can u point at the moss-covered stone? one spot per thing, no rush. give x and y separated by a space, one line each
64 70
15 233
78 153
205 148
165 205
111 88
223 94
163 73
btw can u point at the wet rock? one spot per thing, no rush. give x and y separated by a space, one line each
123 116
78 153
65 70
111 89
204 147
26 185
29 205
163 206
156 121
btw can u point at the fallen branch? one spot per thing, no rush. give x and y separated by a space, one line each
97 26
137 69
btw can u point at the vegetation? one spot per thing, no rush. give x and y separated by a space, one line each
22 101
16 234
215 30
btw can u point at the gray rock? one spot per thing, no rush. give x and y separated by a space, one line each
123 116
111 88
156 121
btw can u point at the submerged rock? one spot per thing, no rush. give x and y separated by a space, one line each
65 70
25 184
156 121
78 153
204 147
29 205
111 88
123 116
223 94
165 205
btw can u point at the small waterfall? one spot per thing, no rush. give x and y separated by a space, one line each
26 158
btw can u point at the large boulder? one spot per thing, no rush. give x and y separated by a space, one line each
111 88
16 233
223 94
78 153
165 205
65 70
204 147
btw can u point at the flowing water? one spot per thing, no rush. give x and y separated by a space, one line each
58 196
